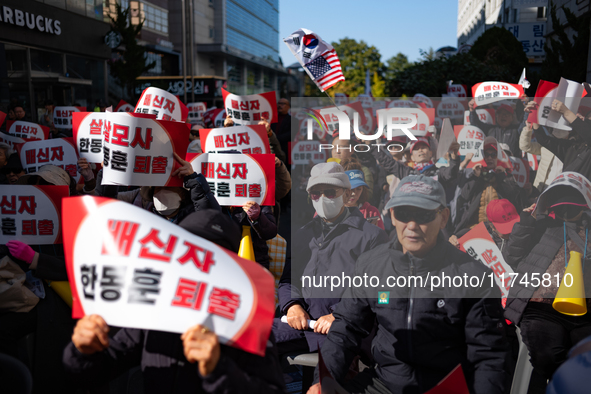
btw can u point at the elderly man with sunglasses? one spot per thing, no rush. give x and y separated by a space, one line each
423 333
327 246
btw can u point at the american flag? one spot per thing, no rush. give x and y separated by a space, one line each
326 70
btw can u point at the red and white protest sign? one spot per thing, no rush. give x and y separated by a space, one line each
60 152
401 104
28 130
165 105
480 246
568 178
305 151
237 178
490 92
196 111
341 99
88 134
331 119
124 106
545 94
138 150
422 99
250 109
424 116
502 158
520 170
450 107
10 140
214 117
138 270
470 139
2 117
486 116
366 100
245 139
320 130
532 161
457 90
31 214
62 116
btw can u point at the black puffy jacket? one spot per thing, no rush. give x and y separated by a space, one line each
422 335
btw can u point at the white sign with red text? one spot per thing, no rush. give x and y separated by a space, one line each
245 139
166 106
28 130
31 214
138 270
486 116
470 139
11 140
424 116
305 151
62 116
59 152
450 107
88 134
520 170
250 109
196 111
490 92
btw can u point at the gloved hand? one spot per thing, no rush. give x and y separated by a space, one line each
252 209
21 251
85 170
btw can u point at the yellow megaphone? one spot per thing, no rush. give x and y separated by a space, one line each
62 288
570 297
246 250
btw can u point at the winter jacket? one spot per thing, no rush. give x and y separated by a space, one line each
422 335
318 255
283 132
548 168
530 250
262 230
369 211
507 135
282 181
166 369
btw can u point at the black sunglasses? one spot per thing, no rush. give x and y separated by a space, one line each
422 216
490 154
328 193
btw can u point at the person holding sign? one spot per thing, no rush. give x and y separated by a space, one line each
421 335
329 244
190 363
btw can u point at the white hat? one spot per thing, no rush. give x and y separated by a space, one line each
328 174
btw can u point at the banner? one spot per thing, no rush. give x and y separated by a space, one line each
59 151
62 116
124 106
10 140
486 116
470 139
480 246
196 111
450 107
422 99
457 90
305 151
138 270
245 139
139 151
425 118
520 170
31 214
568 178
237 178
28 130
250 109
164 105
88 134
490 92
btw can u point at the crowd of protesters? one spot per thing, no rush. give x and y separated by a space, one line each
379 213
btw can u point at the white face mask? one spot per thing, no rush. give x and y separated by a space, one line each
327 208
166 202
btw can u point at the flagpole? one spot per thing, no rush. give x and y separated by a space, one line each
331 99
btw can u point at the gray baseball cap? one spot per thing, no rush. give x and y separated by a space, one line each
418 191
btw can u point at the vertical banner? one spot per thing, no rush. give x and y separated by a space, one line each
88 134
166 106
60 152
196 111
28 130
245 139
490 92
138 270
237 178
62 116
31 214
248 110
480 246
139 150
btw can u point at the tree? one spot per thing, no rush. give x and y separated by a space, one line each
394 65
566 58
429 54
132 63
378 86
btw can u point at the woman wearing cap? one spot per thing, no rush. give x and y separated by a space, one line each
360 193
539 246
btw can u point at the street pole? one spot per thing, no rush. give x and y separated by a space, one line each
184 34
192 49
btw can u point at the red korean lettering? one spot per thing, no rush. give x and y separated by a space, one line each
29 227
30 156
43 155
169 106
147 99
266 116
153 238
159 164
27 204
120 135
57 153
223 173
244 138
142 164
218 141
189 294
207 169
120 237
256 116
235 104
487 88
223 303
96 128
254 190
158 101
240 170
45 227
244 105
107 130
137 138
498 269
241 190
254 104
8 207
231 140
489 257
71 170
202 265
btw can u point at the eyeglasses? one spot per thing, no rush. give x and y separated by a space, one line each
328 193
421 216
492 155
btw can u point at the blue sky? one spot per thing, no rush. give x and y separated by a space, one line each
391 26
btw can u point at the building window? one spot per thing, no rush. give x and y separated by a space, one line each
541 12
157 59
211 32
155 18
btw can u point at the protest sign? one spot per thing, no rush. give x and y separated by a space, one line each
124 106
401 104
196 111
320 130
446 139
166 106
62 116
490 92
250 109
568 178
28 130
532 161
31 214
138 270
332 121
305 151
341 99
503 160
450 107
237 178
424 116
88 134
60 152
486 116
245 139
545 94
570 94
480 246
366 100
214 117
10 140
138 150
457 90
520 170
421 98
470 139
